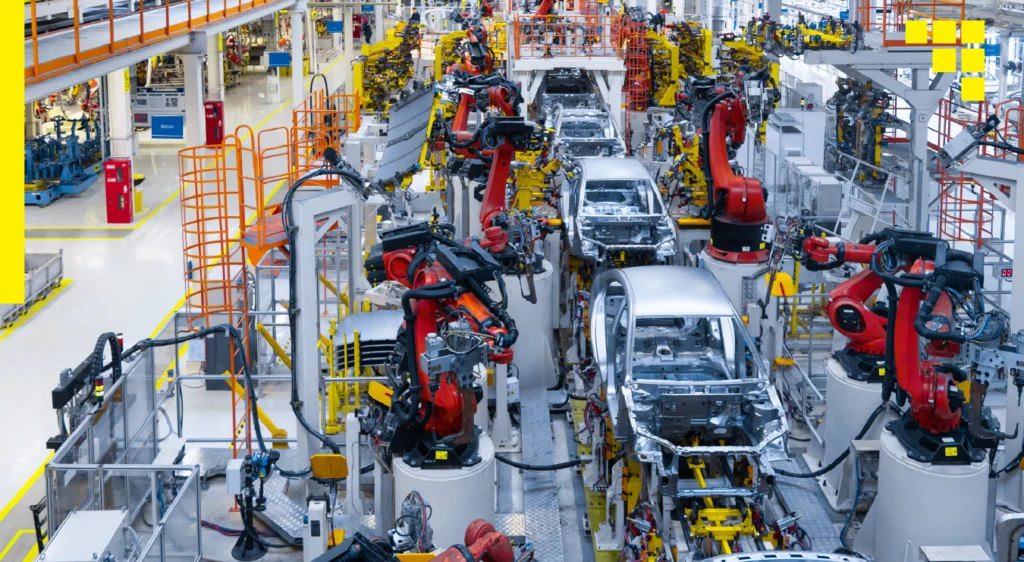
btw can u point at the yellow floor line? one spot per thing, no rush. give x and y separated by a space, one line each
17 536
31 311
31 554
39 471
25 488
176 194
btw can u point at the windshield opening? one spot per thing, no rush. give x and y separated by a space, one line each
636 195
691 348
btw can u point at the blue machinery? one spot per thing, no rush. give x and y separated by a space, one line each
62 164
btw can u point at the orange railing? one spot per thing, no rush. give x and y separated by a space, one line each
568 35
212 212
891 16
953 116
635 51
966 208
966 211
226 222
179 18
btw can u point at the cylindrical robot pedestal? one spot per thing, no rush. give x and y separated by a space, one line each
848 404
926 505
456 496
731 276
534 348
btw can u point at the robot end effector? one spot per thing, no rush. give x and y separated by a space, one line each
962 149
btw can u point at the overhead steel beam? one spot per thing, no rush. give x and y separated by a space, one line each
108 65
865 60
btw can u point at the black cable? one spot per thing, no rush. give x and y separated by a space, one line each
539 467
327 89
1012 464
1003 146
232 332
562 375
828 468
334 167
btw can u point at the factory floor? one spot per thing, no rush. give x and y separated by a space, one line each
126 280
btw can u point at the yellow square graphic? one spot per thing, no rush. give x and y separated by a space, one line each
972 88
917 32
972 60
943 32
943 60
972 31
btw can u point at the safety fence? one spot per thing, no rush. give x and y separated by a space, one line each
110 29
890 16
966 208
122 431
229 224
570 35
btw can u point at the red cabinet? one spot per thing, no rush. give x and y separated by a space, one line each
214 121
117 176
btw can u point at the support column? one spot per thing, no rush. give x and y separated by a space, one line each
1011 485
339 38
349 51
378 22
214 67
919 177
773 7
297 66
195 115
1017 297
119 114
311 41
615 81
1004 55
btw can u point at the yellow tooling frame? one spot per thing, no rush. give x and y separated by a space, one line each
685 167
381 69
275 432
665 63
722 524
445 54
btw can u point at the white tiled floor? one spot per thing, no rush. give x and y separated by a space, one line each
127 286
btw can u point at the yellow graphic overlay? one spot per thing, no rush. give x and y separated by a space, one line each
944 59
12 149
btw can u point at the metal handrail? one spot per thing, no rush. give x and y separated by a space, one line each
39 71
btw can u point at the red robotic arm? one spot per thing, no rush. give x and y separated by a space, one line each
477 59
738 216
452 405
543 9
744 198
847 308
930 390
483 544
451 324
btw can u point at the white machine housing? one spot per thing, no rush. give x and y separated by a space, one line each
921 506
87 536
456 496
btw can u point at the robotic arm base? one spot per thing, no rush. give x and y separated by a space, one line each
952 447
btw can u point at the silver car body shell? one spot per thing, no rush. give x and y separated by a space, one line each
574 213
657 292
580 132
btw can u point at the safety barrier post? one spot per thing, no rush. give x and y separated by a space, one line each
35 39
78 49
